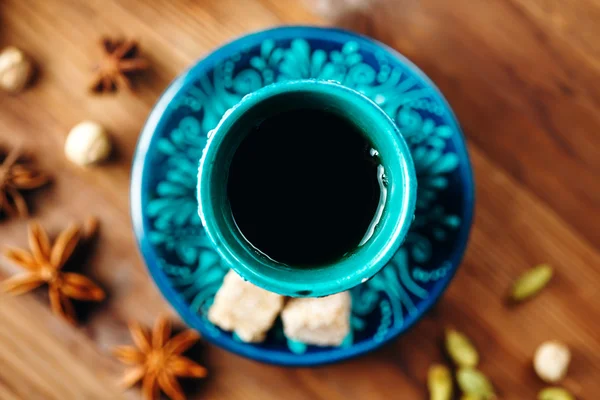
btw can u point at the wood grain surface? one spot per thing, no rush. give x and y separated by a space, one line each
524 79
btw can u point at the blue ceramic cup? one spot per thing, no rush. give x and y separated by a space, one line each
354 268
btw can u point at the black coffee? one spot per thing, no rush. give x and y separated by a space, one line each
304 187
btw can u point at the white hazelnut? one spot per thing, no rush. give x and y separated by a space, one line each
87 143
16 70
551 361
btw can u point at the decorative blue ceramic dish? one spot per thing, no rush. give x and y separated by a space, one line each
179 255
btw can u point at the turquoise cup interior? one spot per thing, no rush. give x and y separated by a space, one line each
362 263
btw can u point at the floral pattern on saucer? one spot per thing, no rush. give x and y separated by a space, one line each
399 294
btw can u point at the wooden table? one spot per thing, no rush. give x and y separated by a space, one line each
523 77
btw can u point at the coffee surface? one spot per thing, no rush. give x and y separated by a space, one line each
303 187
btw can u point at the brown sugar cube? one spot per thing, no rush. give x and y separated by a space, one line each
321 321
244 308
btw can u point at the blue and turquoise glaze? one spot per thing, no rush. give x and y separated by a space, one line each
179 255
365 261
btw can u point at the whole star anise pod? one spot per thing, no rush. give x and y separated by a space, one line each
120 58
44 266
14 177
157 360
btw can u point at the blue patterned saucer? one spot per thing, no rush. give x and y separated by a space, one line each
180 256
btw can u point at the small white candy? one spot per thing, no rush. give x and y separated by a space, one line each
551 361
246 309
87 143
16 70
323 321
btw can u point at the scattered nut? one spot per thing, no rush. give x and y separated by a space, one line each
439 382
461 349
531 282
475 383
87 143
551 361
555 393
16 70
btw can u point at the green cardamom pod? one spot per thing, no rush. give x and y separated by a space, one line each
461 349
555 393
531 282
439 382
474 382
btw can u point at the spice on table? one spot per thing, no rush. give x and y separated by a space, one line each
531 282
44 264
90 227
555 393
551 361
87 143
461 349
14 177
16 70
439 382
475 383
120 59
157 361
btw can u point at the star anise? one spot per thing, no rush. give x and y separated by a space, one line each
44 266
14 177
120 59
157 360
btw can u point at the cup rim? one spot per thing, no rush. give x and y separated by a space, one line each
348 272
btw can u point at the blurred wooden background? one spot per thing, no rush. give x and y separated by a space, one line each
523 77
